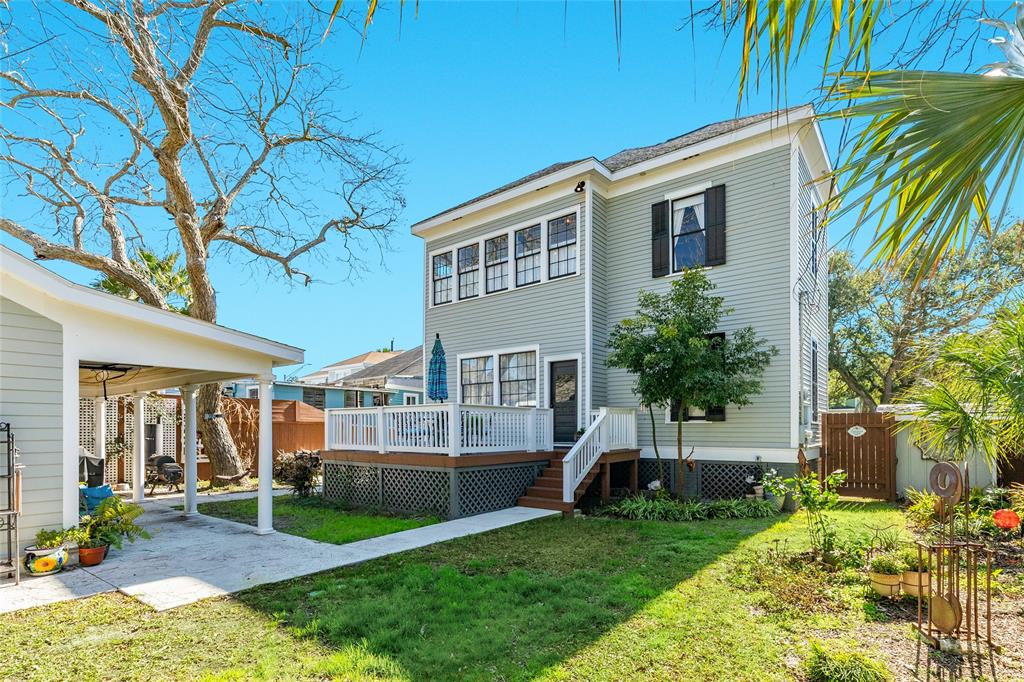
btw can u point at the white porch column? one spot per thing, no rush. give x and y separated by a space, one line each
139 467
99 430
265 516
188 398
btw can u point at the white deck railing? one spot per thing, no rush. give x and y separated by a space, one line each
611 428
443 428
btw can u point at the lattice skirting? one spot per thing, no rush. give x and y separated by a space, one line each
711 480
447 492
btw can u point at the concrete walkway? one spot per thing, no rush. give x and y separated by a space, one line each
190 559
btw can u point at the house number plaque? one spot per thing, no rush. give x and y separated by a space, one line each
856 431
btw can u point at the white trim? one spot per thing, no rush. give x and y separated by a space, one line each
588 304
793 298
781 122
689 191
581 409
51 284
510 233
726 454
415 399
496 371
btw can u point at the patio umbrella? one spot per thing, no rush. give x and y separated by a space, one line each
437 373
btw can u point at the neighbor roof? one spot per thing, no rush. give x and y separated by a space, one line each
408 363
634 155
372 357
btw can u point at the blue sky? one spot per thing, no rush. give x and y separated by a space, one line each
477 94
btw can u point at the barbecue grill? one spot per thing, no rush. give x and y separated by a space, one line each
163 470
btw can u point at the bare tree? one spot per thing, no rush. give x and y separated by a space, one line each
206 124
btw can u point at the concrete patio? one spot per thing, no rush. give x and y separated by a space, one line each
192 558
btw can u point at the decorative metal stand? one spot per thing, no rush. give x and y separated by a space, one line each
950 606
10 505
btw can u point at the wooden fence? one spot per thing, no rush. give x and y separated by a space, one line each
863 444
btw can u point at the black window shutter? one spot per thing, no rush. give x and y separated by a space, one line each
715 414
674 411
659 239
714 224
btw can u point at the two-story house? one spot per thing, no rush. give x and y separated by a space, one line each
524 283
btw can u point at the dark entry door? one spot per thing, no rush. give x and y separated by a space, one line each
563 400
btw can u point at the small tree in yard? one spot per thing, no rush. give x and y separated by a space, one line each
677 358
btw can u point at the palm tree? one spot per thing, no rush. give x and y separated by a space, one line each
975 399
170 280
939 153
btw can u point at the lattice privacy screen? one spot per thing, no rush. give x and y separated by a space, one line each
720 480
493 488
118 411
449 493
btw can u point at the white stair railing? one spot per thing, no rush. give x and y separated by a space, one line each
578 462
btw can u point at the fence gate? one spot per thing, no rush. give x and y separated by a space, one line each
863 444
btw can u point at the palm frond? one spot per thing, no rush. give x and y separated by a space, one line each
938 151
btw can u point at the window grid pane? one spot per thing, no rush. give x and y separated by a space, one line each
469 271
478 380
496 260
528 255
562 261
688 240
518 379
442 276
562 231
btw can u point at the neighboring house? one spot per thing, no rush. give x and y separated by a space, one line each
335 372
399 378
61 342
386 378
524 283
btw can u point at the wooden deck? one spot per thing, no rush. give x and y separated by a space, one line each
420 459
546 491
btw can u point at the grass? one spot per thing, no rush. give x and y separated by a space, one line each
312 518
583 599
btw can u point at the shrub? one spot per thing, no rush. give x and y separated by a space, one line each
815 499
921 510
913 562
300 470
886 564
665 508
837 664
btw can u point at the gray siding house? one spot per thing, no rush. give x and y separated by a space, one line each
524 283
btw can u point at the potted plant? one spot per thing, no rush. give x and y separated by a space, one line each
48 555
886 571
112 523
774 488
915 573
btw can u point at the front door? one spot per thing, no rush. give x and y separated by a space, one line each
563 396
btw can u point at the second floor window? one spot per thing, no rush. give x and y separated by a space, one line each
496 263
562 246
688 238
814 245
442 277
469 271
528 255
477 375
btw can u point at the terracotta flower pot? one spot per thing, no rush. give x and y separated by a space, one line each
909 583
885 585
45 561
92 556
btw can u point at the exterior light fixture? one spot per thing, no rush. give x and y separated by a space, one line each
580 186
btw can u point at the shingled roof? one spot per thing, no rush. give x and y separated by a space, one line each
407 363
632 156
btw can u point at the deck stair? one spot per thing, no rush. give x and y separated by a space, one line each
546 491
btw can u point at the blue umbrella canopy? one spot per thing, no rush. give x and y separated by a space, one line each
437 373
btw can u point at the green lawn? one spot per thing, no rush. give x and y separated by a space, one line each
583 599
316 520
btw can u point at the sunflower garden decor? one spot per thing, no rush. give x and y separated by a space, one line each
48 555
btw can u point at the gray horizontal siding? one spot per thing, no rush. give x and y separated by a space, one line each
31 360
549 314
814 304
599 296
754 281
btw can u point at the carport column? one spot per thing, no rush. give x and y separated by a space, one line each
139 468
265 517
188 397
